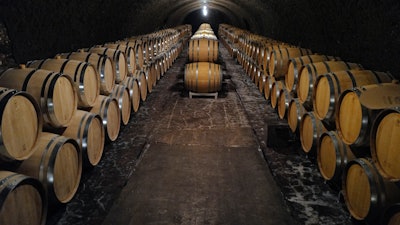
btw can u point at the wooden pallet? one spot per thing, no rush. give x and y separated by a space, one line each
214 94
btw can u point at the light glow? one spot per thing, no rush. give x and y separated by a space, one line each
205 11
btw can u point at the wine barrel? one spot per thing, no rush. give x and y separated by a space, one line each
57 164
137 49
132 84
203 77
276 88
55 92
22 201
295 112
268 86
142 82
279 60
102 63
328 88
385 142
110 114
129 54
358 107
87 129
121 94
265 54
261 82
284 99
20 117
85 76
311 71
296 64
150 77
365 192
203 50
119 61
332 156
310 131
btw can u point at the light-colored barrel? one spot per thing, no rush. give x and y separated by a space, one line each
132 84
310 73
129 54
279 60
268 86
102 63
22 200
296 64
328 88
332 156
358 107
310 131
276 88
85 76
20 124
150 77
87 129
203 50
55 92
110 114
121 94
284 99
142 82
261 83
295 112
365 192
57 163
137 48
385 143
203 77
119 60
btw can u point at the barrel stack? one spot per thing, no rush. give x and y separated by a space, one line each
347 117
203 76
68 108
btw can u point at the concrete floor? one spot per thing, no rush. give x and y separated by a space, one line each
203 161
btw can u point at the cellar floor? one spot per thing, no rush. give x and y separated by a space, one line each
204 161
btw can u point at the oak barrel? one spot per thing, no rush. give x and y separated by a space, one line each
310 131
365 192
332 156
328 88
22 200
385 143
279 60
55 92
110 114
57 163
102 63
276 88
85 76
121 94
268 86
203 77
310 73
129 54
132 84
358 107
20 117
142 82
295 111
296 64
284 99
119 61
87 129
203 50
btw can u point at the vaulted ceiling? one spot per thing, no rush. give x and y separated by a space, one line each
362 31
